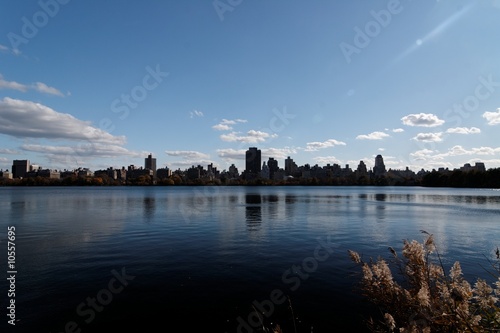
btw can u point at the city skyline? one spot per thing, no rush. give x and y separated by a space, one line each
105 85
254 166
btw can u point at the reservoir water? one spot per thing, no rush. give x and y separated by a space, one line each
130 259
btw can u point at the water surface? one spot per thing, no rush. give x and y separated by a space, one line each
202 257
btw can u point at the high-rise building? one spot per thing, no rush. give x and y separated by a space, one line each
361 170
264 173
253 160
379 168
290 166
20 168
150 163
272 164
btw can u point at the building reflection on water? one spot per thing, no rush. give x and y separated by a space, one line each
253 211
149 207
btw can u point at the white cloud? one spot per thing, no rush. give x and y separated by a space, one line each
434 158
373 136
225 124
463 130
398 130
222 127
231 154
6 49
8 151
459 150
188 158
324 160
251 137
188 164
43 88
422 119
83 150
314 146
195 113
487 162
23 119
429 137
12 85
278 153
61 157
38 86
187 154
493 118
422 154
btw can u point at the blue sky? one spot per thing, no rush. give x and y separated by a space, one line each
98 84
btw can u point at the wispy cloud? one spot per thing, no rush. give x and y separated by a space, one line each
251 136
226 125
22 119
84 150
463 130
38 86
81 155
43 88
422 155
493 118
4 84
429 137
398 130
323 160
231 154
8 151
422 119
187 154
373 136
459 150
315 146
278 153
5 49
188 158
195 113
428 155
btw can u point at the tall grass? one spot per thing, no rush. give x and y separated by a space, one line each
426 298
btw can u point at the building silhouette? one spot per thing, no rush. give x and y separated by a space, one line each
379 168
272 164
290 166
361 170
253 162
478 167
150 163
233 171
264 173
20 168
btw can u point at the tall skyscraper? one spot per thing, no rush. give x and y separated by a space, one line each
379 168
253 160
273 167
150 163
290 166
20 168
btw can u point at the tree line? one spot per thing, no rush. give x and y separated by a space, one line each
456 178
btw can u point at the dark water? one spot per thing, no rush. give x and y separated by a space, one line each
203 258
